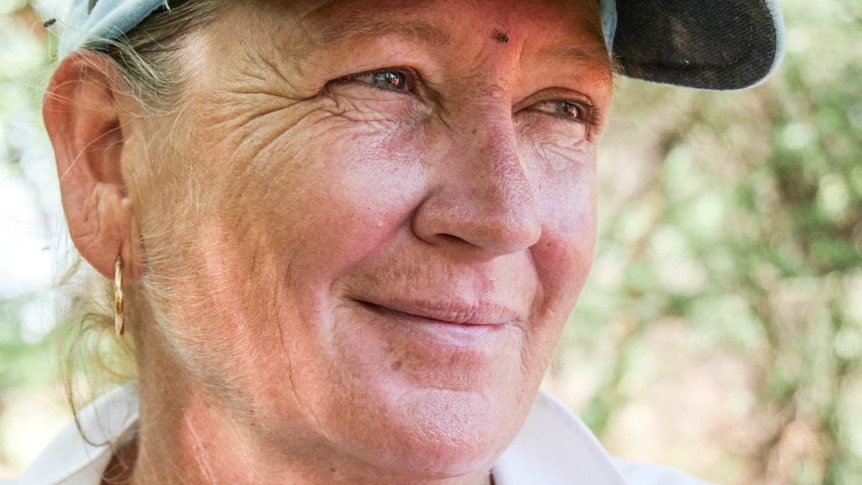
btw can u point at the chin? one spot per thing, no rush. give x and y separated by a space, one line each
439 433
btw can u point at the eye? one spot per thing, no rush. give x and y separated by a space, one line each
570 110
565 109
387 79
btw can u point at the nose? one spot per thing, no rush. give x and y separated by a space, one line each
480 195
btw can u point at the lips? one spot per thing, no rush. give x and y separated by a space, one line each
446 312
441 332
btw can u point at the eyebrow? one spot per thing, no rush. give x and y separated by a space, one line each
347 28
577 53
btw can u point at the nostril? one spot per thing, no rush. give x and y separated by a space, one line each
450 238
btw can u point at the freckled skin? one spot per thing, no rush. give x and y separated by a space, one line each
301 200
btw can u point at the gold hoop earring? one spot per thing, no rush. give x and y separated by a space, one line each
119 317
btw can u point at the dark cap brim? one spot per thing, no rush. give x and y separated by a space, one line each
707 44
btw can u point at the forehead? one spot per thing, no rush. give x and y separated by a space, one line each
561 28
350 17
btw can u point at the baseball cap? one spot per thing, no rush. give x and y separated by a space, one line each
706 44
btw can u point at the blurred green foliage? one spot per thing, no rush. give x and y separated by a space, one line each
721 331
742 226
23 65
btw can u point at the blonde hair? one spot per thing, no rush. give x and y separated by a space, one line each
150 62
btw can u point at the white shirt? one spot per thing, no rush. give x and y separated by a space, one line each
554 447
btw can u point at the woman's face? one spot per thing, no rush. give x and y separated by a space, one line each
372 219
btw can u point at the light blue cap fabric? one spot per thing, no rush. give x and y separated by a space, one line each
90 21
608 11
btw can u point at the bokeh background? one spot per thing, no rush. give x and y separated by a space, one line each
721 329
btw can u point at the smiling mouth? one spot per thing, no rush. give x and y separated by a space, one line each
483 315
440 331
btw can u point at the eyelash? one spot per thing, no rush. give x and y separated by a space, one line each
411 81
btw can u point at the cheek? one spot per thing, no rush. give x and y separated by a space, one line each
340 198
566 201
565 188
281 218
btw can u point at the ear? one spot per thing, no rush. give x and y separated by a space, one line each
85 123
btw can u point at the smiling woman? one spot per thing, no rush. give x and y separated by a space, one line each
346 235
